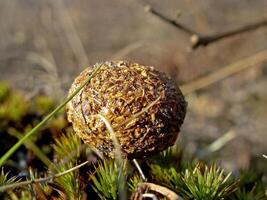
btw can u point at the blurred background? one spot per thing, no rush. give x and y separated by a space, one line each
44 44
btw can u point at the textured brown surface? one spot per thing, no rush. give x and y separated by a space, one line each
118 91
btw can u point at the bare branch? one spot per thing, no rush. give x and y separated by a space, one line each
198 39
185 29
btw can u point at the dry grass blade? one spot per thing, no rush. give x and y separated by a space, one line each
128 49
30 145
51 76
224 72
139 169
118 155
138 114
113 138
218 143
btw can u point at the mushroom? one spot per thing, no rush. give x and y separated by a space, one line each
144 107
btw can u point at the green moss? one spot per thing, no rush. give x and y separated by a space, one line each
14 107
44 104
172 168
106 181
68 151
4 91
58 123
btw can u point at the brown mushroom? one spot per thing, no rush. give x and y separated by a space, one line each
144 106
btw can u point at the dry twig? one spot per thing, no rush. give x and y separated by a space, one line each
197 39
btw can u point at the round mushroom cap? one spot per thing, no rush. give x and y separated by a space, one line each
143 106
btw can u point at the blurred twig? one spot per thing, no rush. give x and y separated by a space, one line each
50 67
199 15
218 143
126 50
197 39
135 46
70 31
150 9
224 72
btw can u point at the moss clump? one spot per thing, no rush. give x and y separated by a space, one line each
13 106
44 104
4 91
